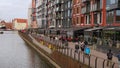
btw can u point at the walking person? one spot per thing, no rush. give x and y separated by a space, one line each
66 43
109 57
82 45
118 56
85 42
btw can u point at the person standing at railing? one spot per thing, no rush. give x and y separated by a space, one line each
109 57
76 47
118 56
66 43
82 45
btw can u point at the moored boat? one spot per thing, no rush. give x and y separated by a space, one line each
1 32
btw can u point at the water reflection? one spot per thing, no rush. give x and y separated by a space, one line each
15 54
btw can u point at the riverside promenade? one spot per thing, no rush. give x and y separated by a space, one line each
52 56
95 60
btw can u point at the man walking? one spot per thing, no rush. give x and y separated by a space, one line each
109 57
118 56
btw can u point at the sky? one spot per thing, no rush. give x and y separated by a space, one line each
10 9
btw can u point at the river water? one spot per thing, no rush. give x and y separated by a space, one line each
14 53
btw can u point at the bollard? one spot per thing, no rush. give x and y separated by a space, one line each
96 62
64 51
67 51
89 61
113 65
79 56
83 58
103 63
71 52
74 55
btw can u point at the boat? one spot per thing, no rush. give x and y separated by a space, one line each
1 32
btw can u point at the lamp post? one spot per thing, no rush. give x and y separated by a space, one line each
46 18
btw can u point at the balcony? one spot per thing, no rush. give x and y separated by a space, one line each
115 5
59 9
59 16
85 10
85 1
33 10
95 7
59 1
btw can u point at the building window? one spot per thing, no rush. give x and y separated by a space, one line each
117 16
77 20
69 4
78 9
87 19
97 18
68 13
110 2
110 17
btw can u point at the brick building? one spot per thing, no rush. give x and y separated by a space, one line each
102 16
33 15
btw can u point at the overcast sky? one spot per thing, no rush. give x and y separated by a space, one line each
10 9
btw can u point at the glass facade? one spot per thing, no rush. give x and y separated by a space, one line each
111 37
110 17
117 16
111 4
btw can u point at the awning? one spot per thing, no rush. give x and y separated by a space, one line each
95 28
112 28
77 28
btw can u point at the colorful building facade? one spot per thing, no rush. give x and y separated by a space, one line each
33 15
95 12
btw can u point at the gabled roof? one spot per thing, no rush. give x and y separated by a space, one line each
20 20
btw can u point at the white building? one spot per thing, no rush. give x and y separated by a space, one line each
20 24
41 13
29 16
38 13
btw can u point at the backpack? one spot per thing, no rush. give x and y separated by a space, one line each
118 56
76 46
87 50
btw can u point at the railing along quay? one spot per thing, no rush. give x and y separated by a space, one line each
91 60
56 46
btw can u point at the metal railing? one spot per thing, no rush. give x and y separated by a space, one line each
90 60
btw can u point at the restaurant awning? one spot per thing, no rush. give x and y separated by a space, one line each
77 28
112 28
93 29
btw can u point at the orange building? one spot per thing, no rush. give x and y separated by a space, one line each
8 25
89 12
102 15
34 21
96 12
76 13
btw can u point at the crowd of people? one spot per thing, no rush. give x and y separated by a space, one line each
82 45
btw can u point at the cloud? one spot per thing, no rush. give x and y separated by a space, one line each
10 9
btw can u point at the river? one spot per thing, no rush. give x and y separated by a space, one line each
14 53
